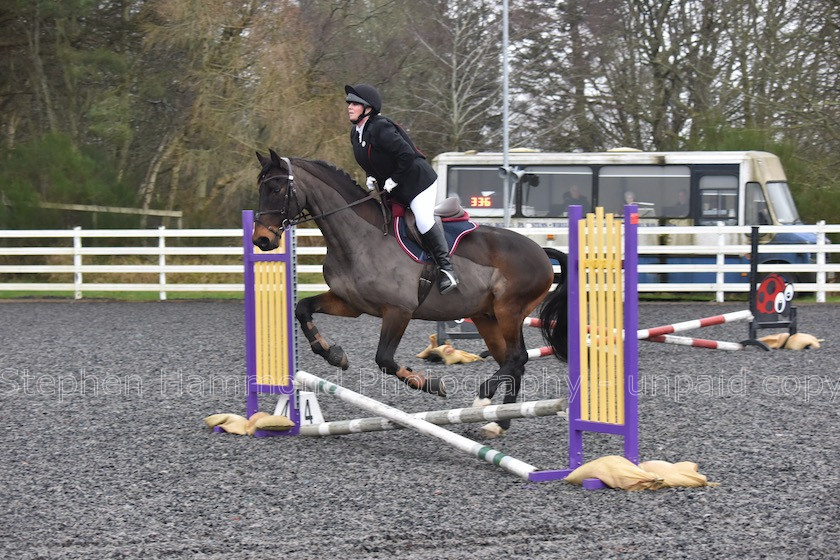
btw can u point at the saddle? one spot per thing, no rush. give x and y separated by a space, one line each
449 214
450 209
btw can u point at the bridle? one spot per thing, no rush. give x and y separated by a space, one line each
301 217
288 222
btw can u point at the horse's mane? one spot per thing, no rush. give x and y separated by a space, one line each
335 176
345 185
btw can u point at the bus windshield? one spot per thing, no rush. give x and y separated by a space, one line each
782 202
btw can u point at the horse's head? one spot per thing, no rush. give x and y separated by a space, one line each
280 202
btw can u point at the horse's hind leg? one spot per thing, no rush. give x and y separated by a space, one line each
330 304
509 352
488 328
394 323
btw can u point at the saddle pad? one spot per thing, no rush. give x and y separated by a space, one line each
453 231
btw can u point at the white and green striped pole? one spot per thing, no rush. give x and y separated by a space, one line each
493 413
514 466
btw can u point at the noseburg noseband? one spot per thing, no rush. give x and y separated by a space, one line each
291 192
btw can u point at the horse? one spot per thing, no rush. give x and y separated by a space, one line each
504 276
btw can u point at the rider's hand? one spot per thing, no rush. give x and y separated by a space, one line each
371 183
389 184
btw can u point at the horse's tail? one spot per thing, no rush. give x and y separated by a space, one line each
553 313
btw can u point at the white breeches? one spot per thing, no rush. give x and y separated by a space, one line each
423 207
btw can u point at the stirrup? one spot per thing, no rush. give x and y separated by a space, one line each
453 282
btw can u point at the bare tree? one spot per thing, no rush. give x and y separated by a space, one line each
178 94
452 91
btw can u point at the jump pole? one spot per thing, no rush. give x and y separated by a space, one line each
745 315
663 333
696 342
459 442
492 413
544 351
644 334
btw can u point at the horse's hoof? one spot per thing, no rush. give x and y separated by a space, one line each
480 403
416 380
434 386
491 431
336 357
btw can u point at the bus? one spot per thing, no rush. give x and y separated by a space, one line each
669 188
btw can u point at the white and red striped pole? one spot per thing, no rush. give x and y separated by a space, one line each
664 333
540 352
696 342
745 315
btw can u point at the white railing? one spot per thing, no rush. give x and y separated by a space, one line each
60 260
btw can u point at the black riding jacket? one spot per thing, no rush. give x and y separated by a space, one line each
383 153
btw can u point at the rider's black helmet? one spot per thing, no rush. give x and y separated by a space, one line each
364 94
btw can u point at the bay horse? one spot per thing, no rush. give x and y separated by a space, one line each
504 276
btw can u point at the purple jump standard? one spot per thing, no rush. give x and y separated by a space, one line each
626 427
270 287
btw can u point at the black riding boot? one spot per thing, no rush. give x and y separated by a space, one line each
435 243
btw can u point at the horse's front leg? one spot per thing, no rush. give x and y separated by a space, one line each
394 323
330 304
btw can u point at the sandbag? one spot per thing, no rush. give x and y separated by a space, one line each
446 353
797 341
449 355
683 474
275 423
774 341
235 424
215 419
252 420
433 343
616 472
802 341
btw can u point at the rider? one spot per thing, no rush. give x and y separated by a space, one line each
390 160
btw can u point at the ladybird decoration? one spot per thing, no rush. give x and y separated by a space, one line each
774 295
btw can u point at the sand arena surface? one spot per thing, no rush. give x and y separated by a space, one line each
105 454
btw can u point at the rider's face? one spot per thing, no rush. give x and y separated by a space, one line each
354 110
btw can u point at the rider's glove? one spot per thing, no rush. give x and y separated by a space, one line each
389 184
371 183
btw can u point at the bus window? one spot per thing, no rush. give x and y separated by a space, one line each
479 189
719 199
559 187
654 188
783 204
680 207
756 211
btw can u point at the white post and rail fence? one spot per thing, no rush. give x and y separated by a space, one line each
202 261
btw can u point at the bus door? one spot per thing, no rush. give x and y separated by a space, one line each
714 200
758 211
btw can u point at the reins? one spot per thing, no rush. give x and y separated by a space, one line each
301 217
